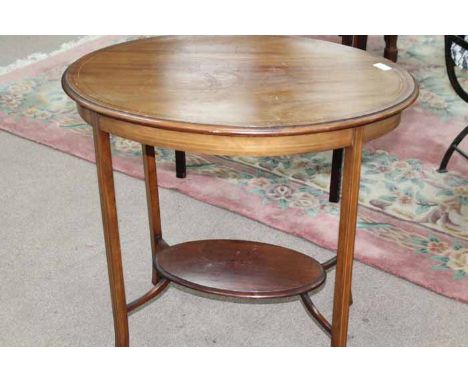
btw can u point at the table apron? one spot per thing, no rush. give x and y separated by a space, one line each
237 145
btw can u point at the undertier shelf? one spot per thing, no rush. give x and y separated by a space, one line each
238 268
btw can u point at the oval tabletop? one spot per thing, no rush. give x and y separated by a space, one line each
240 85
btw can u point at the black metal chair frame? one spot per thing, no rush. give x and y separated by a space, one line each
450 65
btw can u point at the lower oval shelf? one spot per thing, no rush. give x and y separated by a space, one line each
240 268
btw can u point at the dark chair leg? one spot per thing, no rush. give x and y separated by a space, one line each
347 40
391 50
335 179
453 147
360 42
181 167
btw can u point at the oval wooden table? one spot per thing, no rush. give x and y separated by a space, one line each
252 96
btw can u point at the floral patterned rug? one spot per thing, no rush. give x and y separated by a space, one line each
413 221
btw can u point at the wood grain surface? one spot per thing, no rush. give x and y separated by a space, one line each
240 268
239 85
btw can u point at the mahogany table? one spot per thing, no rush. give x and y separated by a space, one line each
251 96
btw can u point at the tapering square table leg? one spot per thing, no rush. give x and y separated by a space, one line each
346 239
111 233
152 197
